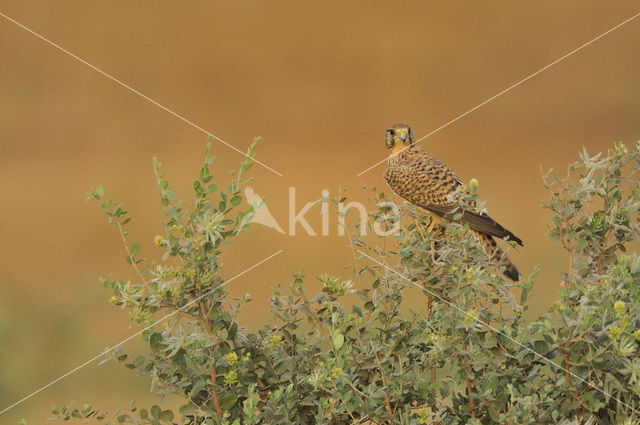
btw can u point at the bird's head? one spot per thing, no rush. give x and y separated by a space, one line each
398 137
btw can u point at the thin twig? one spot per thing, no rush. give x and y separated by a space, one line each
133 261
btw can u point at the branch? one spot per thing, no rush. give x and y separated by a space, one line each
133 261
214 374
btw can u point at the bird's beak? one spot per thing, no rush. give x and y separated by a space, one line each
403 136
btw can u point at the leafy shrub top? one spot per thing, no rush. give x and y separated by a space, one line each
353 354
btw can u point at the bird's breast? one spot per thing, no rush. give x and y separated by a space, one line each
397 157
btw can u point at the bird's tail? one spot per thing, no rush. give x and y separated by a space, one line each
485 224
494 250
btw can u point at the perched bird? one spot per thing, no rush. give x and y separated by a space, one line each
262 215
424 181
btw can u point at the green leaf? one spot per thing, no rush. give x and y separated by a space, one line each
138 362
156 411
211 188
338 340
166 416
490 340
197 387
155 342
236 200
582 244
204 174
591 400
227 400
188 409
233 330
490 383
135 249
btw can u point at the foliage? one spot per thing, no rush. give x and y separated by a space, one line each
354 353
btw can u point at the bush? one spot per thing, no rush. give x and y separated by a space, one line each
356 355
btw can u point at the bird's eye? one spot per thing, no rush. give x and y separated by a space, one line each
392 132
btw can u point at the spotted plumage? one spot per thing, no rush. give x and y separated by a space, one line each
426 182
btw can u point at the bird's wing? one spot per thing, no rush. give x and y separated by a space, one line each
430 190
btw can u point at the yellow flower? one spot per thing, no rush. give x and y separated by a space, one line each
432 339
274 341
232 358
178 228
424 414
336 372
470 318
636 334
619 306
230 378
158 240
190 272
614 332
205 279
473 185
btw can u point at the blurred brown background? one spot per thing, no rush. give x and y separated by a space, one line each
319 81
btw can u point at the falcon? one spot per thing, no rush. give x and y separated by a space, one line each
424 181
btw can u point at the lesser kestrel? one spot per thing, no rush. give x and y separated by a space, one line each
424 181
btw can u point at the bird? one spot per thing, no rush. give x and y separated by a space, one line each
421 179
261 215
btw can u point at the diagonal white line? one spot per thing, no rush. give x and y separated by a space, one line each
506 90
138 333
500 332
175 114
